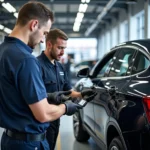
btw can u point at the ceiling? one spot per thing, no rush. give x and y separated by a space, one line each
66 11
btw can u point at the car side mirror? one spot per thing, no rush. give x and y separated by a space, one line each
83 73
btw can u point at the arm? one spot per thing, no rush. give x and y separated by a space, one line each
44 112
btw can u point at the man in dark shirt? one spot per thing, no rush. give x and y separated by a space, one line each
54 75
24 109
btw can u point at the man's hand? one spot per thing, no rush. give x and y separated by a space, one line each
58 97
88 94
71 108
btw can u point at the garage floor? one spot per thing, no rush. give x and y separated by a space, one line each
66 140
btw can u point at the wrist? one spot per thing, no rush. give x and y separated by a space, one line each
63 108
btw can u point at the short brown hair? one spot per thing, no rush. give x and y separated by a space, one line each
54 34
34 10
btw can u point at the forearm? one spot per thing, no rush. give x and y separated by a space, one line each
54 112
45 112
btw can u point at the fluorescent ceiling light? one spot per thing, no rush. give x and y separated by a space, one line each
76 26
83 1
87 1
80 15
7 30
76 29
78 19
16 15
1 27
9 7
83 7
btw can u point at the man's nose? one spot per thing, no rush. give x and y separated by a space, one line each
43 39
62 51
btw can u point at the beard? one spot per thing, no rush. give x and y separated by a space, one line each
53 54
31 45
32 39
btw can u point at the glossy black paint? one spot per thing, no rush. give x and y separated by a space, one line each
122 113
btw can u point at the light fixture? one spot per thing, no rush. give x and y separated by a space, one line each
7 30
16 14
1 27
76 26
85 1
83 7
9 7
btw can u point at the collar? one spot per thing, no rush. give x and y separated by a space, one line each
18 41
48 61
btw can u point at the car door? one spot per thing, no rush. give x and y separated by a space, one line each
99 70
116 76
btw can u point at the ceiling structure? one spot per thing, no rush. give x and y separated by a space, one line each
94 16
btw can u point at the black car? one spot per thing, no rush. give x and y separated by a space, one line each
118 118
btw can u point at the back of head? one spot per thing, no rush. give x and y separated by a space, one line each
54 34
34 10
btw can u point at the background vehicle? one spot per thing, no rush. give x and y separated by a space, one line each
76 67
118 118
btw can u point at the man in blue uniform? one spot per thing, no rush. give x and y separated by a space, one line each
24 109
54 75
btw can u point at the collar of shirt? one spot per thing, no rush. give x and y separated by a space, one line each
48 61
13 39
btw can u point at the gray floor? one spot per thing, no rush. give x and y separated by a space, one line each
66 140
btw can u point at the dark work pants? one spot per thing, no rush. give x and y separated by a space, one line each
52 133
7 143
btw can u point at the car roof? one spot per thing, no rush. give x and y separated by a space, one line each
143 43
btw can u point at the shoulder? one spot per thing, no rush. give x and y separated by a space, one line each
39 57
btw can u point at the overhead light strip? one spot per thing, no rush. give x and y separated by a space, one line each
78 20
10 9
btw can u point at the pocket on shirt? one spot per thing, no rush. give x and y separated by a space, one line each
50 85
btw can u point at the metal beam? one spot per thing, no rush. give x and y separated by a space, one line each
100 16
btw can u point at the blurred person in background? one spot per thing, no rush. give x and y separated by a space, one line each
67 66
55 76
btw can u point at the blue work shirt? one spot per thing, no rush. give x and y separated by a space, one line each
54 75
21 84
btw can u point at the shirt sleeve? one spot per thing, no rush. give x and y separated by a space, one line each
30 81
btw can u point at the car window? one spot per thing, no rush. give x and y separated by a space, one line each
104 70
141 63
121 62
102 67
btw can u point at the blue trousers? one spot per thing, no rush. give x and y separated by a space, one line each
52 133
7 143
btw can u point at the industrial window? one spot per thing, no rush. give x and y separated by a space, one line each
140 26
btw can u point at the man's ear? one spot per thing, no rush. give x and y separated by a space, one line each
49 44
34 25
